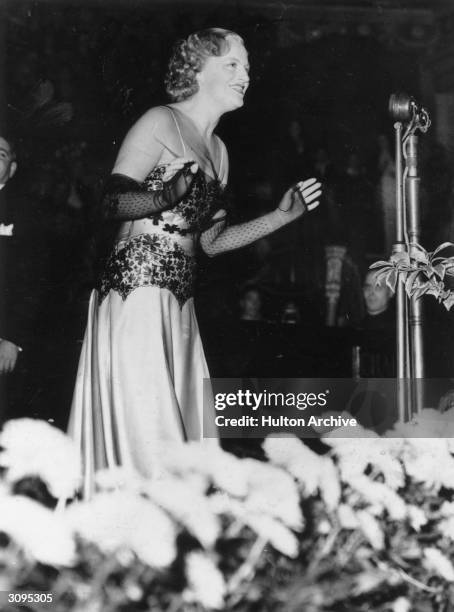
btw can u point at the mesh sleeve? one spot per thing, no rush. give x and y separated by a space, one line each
125 199
219 238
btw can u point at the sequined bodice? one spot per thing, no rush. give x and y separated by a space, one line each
160 251
193 211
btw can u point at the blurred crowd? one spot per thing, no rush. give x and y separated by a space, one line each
290 305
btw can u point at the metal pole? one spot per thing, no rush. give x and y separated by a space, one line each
416 312
403 373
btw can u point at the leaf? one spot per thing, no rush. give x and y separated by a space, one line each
391 280
449 302
440 270
417 293
435 291
410 281
417 253
382 274
442 246
380 264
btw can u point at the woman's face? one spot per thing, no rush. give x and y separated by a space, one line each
225 79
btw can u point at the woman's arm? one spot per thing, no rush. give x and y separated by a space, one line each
219 238
125 196
125 199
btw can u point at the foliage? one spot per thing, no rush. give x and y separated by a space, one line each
367 526
420 271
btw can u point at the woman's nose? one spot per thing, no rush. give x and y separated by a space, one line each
244 75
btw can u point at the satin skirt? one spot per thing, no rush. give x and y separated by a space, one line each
140 382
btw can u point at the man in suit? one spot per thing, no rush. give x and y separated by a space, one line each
9 350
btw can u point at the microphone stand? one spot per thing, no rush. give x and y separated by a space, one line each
409 315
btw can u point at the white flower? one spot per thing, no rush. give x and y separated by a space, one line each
347 517
41 533
227 473
371 529
277 534
217 466
188 506
35 448
324 527
435 561
401 604
422 458
273 492
314 472
416 517
379 494
356 455
118 520
267 527
446 527
206 583
222 504
295 457
447 509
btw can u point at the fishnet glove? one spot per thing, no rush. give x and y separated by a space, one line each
220 239
296 201
125 199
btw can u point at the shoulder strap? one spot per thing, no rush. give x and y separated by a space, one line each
178 128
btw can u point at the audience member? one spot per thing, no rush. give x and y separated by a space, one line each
9 333
377 338
251 305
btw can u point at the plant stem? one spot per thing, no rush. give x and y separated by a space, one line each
418 584
247 568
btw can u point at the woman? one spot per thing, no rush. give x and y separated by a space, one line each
140 379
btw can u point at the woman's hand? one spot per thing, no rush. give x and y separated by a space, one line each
299 198
176 165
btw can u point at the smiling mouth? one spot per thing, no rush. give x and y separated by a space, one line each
239 89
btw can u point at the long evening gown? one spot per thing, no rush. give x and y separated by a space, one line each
139 386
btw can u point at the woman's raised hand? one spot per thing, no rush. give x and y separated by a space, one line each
176 165
301 197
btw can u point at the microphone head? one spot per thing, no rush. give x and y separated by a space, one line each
401 106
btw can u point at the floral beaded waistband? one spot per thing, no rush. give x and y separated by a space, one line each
149 260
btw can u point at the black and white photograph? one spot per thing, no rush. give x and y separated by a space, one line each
227 305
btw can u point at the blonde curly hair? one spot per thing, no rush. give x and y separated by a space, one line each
189 57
